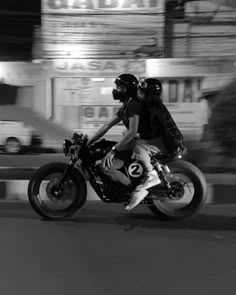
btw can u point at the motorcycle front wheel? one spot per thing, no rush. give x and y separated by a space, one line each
189 193
55 202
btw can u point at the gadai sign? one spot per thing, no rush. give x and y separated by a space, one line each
101 4
101 28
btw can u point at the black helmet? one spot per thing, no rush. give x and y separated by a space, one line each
126 87
151 86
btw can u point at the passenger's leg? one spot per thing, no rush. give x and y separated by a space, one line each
142 153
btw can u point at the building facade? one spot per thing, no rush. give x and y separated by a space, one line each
83 46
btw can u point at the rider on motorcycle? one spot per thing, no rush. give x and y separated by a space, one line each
140 136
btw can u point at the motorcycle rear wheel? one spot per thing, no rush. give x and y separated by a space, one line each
198 200
61 203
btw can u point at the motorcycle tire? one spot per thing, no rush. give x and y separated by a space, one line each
199 197
34 191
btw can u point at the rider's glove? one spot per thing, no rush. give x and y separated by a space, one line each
108 159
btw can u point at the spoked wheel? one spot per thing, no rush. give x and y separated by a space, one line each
53 200
187 195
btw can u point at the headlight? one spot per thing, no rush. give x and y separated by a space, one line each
66 146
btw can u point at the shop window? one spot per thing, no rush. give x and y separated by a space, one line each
173 90
188 95
199 89
199 84
8 94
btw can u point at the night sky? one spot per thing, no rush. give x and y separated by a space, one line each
17 21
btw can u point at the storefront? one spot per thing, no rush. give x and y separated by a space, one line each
81 90
86 44
77 93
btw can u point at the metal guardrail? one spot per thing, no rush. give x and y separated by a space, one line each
10 173
24 173
14 181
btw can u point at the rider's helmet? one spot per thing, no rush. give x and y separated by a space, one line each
126 87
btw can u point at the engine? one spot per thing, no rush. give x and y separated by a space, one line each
120 179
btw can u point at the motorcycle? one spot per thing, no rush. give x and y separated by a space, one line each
58 189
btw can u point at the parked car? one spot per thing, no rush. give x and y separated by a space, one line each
16 136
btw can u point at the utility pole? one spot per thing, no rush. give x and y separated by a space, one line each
168 36
174 9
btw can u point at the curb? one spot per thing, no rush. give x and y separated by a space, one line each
17 190
221 189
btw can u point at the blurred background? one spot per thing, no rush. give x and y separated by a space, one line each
58 62
59 59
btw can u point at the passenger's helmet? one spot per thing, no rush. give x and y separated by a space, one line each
126 87
149 91
151 86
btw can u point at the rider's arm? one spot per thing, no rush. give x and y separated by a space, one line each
134 109
131 133
103 130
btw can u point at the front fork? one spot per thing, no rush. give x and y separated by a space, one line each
162 170
55 190
61 181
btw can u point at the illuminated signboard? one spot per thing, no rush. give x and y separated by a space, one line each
88 5
102 28
103 67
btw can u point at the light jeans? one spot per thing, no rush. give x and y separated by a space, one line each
142 149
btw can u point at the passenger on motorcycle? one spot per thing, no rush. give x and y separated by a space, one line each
140 136
150 91
165 135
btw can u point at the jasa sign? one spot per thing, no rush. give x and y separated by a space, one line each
75 5
106 68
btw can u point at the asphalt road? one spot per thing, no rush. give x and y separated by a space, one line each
105 250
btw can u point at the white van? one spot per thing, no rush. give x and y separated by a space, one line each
14 135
